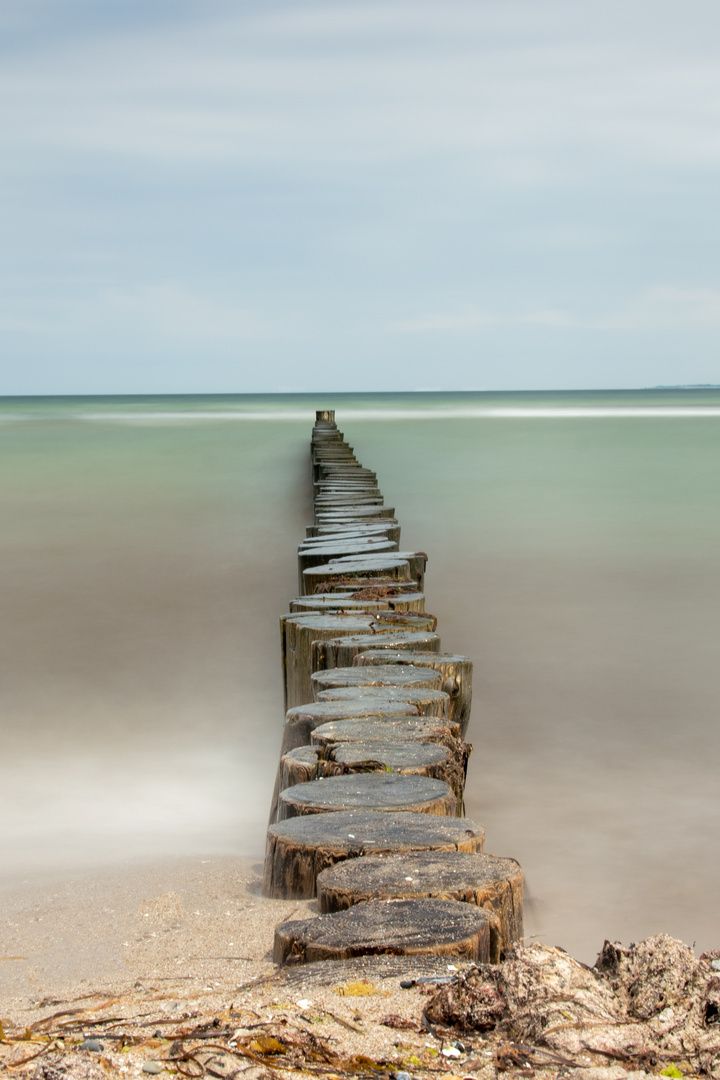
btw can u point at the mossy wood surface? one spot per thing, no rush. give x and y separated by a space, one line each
405 927
299 848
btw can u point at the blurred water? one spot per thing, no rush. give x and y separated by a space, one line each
148 548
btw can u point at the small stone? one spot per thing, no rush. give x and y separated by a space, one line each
451 1052
715 965
402 1076
91 1044
406 984
153 1067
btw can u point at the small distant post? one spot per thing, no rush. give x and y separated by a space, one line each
326 415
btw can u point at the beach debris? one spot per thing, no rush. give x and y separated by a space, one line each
92 1045
647 1003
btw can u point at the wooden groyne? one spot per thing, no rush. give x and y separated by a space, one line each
368 813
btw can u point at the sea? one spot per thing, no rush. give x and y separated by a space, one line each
148 551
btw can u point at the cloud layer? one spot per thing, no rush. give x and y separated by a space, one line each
237 197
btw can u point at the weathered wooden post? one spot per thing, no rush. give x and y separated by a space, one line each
373 761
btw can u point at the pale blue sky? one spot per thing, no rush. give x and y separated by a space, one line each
240 197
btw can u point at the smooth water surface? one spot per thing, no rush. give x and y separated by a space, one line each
148 548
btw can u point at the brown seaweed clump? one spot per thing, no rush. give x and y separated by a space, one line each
650 1004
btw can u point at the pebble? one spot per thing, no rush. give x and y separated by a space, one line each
451 1052
403 1076
91 1044
152 1067
715 965
406 984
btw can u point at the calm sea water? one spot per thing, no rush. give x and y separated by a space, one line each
148 548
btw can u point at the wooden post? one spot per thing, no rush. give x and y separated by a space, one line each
373 762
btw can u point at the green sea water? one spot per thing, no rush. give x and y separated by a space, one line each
148 549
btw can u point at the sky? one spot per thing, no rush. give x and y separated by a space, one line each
242 197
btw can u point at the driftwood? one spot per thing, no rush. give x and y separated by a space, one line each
456 674
368 791
404 927
430 702
341 651
483 880
387 675
653 1003
299 848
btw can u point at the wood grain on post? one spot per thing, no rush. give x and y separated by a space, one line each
417 561
300 634
418 757
376 675
360 600
387 727
341 651
299 848
456 672
484 880
391 567
368 791
302 720
429 702
402 927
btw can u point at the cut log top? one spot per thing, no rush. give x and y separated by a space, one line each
405 927
341 651
382 729
401 656
300 847
300 721
363 566
380 676
456 672
429 701
352 833
356 602
323 711
473 878
369 791
396 756
346 601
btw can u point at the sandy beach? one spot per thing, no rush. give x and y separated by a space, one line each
137 957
